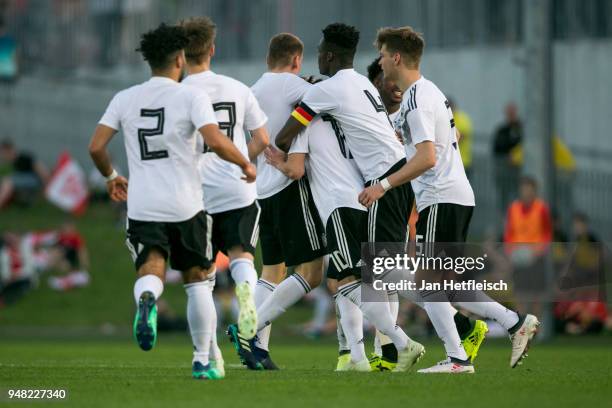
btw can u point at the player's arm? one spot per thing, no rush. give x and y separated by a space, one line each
225 149
260 139
315 101
115 184
423 160
289 132
291 165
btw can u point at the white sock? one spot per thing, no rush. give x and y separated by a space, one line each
492 310
200 316
380 339
286 294
351 320
243 270
148 283
263 290
323 303
342 341
441 315
377 313
215 351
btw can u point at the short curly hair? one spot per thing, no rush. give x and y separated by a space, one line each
201 32
342 36
158 46
374 69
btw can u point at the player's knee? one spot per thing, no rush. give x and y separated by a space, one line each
332 285
274 273
195 275
155 264
238 252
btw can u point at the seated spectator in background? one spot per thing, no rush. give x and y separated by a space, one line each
72 259
8 55
583 285
507 136
529 232
27 178
463 123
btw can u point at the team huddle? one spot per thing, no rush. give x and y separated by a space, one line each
338 163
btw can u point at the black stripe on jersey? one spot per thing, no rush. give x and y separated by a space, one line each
447 104
412 99
307 109
452 122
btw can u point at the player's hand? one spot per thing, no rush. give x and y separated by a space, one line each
371 194
250 172
117 189
399 137
274 156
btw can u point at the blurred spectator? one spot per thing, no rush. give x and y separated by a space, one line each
463 123
72 259
585 312
9 69
17 273
565 169
507 136
27 178
529 231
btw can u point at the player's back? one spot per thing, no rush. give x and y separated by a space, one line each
236 110
334 177
277 94
426 116
356 104
159 118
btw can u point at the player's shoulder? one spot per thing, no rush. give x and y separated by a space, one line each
422 94
191 91
229 81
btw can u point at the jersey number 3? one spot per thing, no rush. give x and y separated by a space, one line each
229 124
145 153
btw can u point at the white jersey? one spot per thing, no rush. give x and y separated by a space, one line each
159 119
334 177
237 110
277 94
426 116
356 104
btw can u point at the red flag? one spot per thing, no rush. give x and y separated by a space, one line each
67 187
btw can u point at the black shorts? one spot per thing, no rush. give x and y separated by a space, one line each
388 217
345 231
444 222
187 243
290 229
236 227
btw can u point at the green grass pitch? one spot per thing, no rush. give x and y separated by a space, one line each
115 373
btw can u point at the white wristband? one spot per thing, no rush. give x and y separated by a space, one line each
112 176
385 184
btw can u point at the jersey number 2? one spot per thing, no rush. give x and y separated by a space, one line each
145 153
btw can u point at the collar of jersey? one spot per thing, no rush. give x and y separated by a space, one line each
345 70
162 79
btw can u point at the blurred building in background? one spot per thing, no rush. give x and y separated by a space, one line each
73 55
